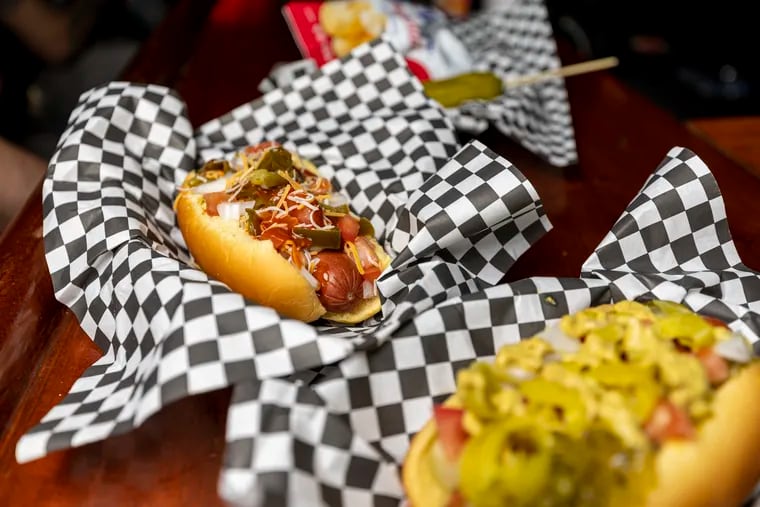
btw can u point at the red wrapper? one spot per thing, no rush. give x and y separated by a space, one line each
310 37
419 32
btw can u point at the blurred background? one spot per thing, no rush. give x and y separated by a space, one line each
695 59
50 52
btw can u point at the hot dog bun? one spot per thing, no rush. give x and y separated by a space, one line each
722 465
718 467
251 267
251 264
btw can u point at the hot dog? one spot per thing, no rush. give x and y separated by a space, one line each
271 228
619 405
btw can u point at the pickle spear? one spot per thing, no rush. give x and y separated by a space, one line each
454 91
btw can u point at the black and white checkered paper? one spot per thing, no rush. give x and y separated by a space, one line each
343 430
515 40
455 219
323 415
512 40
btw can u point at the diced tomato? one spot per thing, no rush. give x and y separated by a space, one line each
276 235
716 367
303 214
456 499
451 433
288 220
372 273
260 147
714 322
212 201
668 422
349 227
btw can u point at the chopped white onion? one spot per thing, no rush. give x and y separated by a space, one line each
228 210
308 260
216 185
519 373
233 210
336 200
366 251
619 460
559 341
311 219
368 289
237 162
736 348
445 470
310 278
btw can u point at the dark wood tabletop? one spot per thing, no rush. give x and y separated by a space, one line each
174 458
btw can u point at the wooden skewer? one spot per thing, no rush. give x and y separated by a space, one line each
568 70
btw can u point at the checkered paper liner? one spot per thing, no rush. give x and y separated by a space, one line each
455 218
512 41
515 40
341 432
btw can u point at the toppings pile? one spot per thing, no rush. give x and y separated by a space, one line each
574 415
276 196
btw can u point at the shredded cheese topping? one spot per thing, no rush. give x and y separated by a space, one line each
283 197
354 254
276 225
303 201
272 209
293 183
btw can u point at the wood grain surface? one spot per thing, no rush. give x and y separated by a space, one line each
736 137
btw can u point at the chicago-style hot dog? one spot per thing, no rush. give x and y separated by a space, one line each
619 405
272 229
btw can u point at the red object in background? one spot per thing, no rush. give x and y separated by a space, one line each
349 228
314 43
311 39
669 422
418 69
234 51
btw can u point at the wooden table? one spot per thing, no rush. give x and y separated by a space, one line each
174 458
737 138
